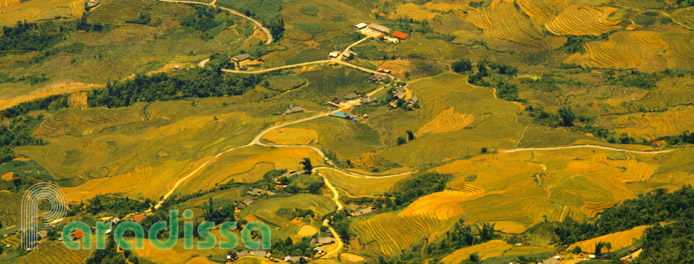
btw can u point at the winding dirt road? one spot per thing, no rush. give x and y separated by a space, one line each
269 40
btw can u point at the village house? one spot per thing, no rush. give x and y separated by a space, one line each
362 211
245 203
360 26
334 54
140 218
413 100
380 28
294 109
335 101
92 4
256 192
366 100
254 253
399 92
351 96
378 78
76 235
399 35
240 58
321 241
42 234
340 114
293 259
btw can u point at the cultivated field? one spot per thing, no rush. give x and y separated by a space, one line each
646 51
16 10
581 20
618 240
503 21
387 233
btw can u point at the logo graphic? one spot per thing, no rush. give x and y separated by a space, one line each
129 234
33 197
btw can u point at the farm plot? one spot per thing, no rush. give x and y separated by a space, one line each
54 252
292 136
117 11
672 122
442 205
360 186
618 240
446 121
16 10
684 17
579 20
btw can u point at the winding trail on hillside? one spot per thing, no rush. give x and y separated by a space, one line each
588 146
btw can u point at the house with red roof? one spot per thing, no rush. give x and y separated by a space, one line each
399 35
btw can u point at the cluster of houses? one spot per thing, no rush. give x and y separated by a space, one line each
378 78
316 242
399 93
381 32
243 61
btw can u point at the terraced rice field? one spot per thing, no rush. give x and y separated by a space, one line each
674 121
646 51
485 250
542 11
618 240
14 10
442 205
6 3
593 208
391 233
447 121
86 121
579 20
361 186
117 11
502 20
55 252
684 17
411 10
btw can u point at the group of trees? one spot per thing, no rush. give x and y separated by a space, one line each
485 76
119 206
224 213
111 255
408 190
18 133
163 87
204 19
685 138
410 137
669 213
31 36
288 248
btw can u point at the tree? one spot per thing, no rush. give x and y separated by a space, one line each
401 141
567 116
474 258
410 135
462 65
577 250
308 167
